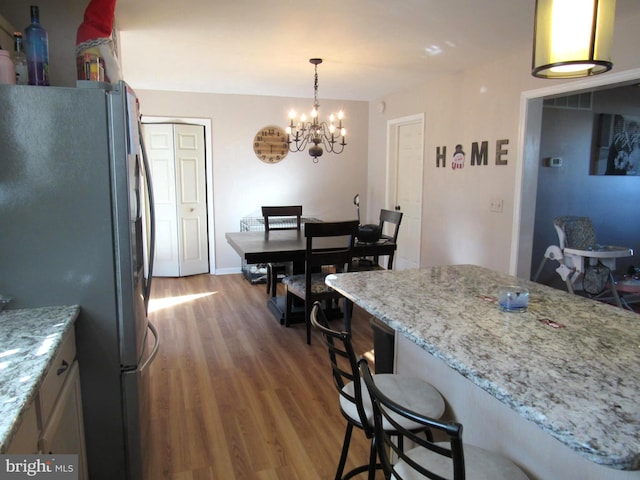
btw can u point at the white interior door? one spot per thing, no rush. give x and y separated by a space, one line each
176 154
160 150
404 184
192 199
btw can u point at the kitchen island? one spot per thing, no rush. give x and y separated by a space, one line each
554 388
30 339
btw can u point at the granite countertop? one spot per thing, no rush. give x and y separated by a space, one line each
568 364
29 341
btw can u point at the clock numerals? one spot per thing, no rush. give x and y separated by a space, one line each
270 144
270 132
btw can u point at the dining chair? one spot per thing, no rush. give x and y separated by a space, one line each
280 218
439 460
389 221
328 244
355 403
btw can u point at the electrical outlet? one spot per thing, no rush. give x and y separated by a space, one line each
497 204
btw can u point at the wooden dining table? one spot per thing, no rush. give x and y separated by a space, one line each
290 246
554 388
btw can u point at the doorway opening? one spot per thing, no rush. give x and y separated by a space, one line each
210 214
405 163
527 171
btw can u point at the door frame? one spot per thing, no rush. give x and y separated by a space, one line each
208 160
393 125
530 122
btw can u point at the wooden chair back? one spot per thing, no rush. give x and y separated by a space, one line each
392 217
322 248
291 215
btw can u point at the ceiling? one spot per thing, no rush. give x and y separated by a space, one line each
370 48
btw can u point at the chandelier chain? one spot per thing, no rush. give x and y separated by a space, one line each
315 88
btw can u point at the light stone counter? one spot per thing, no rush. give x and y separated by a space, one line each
29 341
577 379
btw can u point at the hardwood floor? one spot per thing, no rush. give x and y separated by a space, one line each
235 395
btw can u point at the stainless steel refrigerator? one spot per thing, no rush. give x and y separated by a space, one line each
76 228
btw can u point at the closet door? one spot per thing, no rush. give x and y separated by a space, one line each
176 154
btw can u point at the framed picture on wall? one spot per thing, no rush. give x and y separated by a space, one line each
616 145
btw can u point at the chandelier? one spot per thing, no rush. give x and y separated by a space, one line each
320 136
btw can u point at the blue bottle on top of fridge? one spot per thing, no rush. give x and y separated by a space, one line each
37 48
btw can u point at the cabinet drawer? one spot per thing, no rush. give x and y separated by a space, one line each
56 376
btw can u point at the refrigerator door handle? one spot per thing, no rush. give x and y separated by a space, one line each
154 351
152 217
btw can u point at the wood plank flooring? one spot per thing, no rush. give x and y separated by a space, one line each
235 395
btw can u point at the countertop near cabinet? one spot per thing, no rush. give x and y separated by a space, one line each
569 364
29 341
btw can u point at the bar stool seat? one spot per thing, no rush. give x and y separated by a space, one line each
413 392
480 464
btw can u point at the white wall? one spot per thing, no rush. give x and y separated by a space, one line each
475 106
481 104
242 183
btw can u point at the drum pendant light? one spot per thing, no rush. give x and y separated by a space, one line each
572 38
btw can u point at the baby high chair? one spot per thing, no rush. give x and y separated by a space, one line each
577 242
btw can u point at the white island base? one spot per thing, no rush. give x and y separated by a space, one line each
495 426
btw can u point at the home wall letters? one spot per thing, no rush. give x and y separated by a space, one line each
479 154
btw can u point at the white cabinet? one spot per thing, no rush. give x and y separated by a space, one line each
25 440
63 432
53 423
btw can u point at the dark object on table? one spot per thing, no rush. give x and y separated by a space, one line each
369 233
4 301
361 264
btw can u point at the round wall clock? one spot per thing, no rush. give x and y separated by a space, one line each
270 144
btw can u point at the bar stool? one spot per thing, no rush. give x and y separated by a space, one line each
355 403
449 459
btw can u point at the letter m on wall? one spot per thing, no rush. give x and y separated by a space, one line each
480 156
